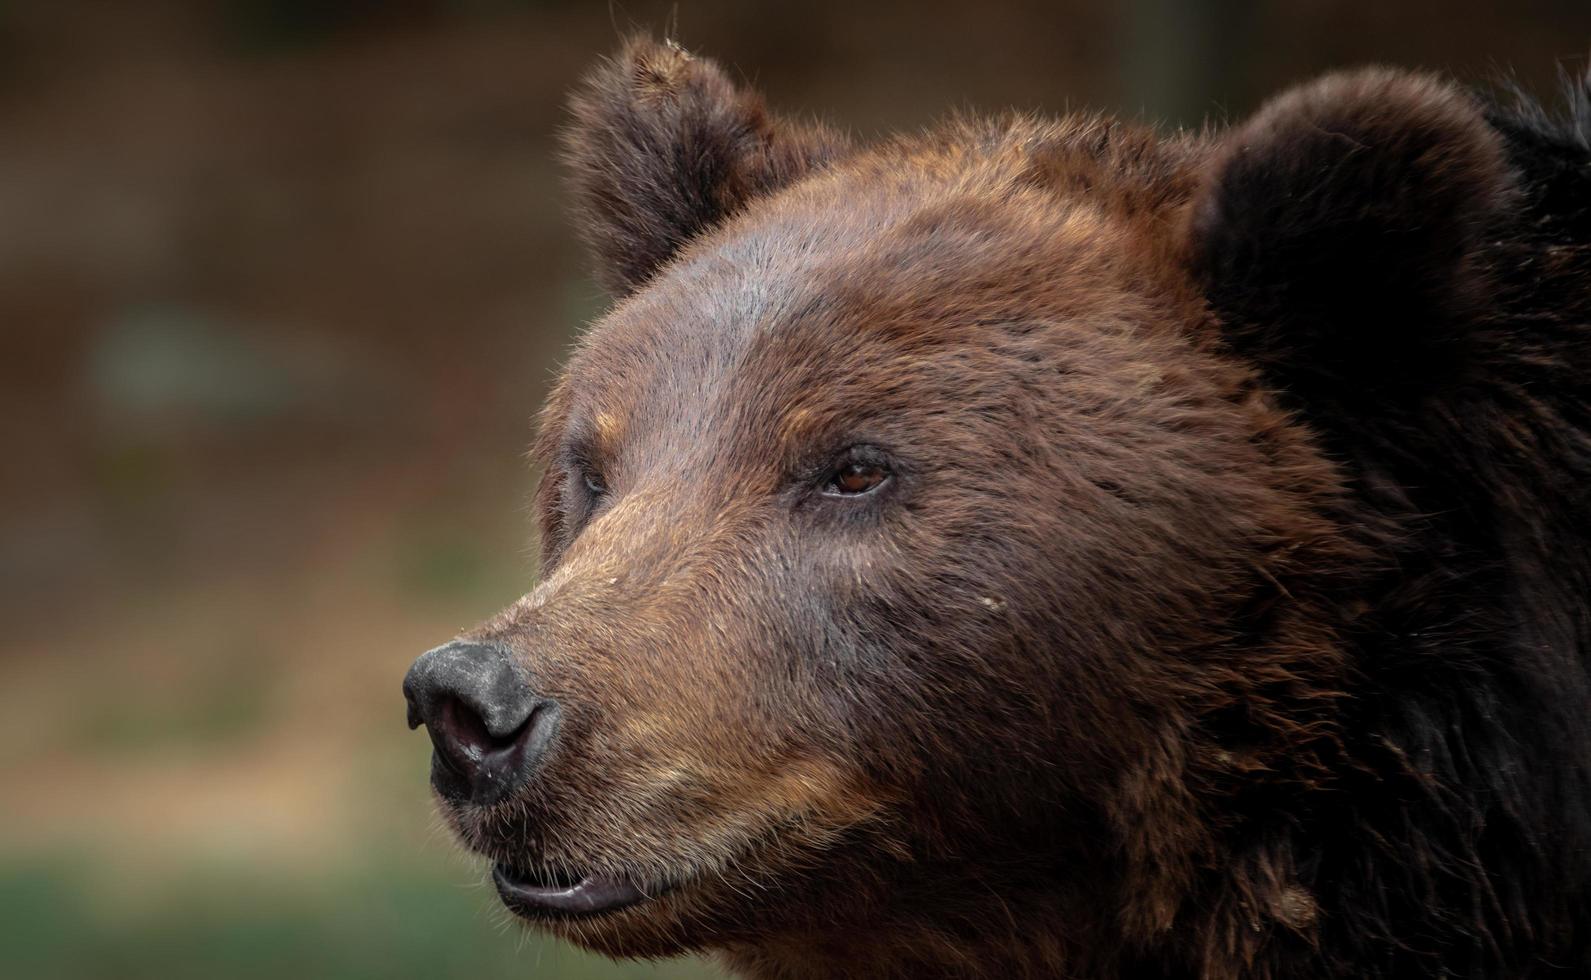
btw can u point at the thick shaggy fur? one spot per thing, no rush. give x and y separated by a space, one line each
1224 613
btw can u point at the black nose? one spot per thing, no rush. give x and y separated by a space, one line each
489 729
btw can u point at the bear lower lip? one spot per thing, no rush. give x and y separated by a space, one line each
591 895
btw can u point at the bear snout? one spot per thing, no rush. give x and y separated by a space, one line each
489 730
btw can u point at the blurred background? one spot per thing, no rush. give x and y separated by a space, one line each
282 284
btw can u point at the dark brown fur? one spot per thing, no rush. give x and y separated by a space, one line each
1224 616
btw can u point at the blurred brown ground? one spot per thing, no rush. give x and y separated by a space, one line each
282 284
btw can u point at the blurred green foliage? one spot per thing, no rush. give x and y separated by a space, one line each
438 564
225 707
384 922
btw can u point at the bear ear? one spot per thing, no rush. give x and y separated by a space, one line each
664 146
1337 231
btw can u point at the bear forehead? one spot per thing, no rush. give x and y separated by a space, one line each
901 251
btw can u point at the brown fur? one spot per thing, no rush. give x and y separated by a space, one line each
1072 695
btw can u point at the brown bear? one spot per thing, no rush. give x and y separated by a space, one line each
1050 548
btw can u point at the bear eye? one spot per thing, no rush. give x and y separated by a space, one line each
595 484
856 477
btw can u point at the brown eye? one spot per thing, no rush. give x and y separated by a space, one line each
595 484
856 478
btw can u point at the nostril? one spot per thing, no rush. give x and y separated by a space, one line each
461 736
480 766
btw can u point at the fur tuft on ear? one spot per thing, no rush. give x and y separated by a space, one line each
663 146
1337 232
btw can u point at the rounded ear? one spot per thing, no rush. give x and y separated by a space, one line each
663 146
1337 231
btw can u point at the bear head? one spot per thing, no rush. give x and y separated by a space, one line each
941 534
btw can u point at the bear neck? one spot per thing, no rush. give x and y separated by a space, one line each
963 928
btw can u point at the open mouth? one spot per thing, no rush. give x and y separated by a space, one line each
563 896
